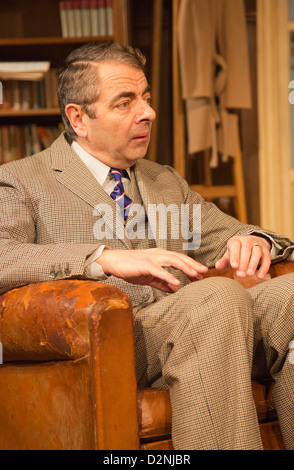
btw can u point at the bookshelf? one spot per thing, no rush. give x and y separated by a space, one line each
32 31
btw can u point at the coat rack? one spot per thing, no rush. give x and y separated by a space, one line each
207 189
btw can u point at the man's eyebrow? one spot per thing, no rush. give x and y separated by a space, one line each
129 94
123 94
147 90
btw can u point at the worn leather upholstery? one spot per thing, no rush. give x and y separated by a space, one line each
68 376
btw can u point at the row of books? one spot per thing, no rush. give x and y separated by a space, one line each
30 94
21 141
86 18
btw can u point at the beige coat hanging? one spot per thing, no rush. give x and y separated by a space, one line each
215 77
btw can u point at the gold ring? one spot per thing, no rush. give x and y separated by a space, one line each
256 244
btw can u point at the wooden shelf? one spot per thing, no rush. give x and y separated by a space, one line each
29 112
37 32
51 40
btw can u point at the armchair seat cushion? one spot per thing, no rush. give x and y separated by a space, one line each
155 413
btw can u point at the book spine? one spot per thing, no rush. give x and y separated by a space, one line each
77 13
15 95
94 17
70 18
12 142
7 95
47 91
63 19
19 141
86 18
109 17
26 93
31 94
102 18
5 144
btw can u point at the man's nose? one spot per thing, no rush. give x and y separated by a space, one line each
145 112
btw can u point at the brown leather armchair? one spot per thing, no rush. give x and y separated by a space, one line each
68 375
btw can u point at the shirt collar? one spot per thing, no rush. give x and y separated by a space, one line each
99 169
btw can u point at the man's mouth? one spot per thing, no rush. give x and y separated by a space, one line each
141 137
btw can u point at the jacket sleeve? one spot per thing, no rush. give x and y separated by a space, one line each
23 259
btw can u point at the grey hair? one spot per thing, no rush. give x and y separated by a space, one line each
78 80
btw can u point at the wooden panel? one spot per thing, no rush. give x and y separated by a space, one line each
271 436
178 105
121 21
274 116
292 204
249 126
160 445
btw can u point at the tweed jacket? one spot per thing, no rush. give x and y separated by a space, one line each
49 210
215 76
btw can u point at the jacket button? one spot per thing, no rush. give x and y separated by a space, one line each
145 298
53 273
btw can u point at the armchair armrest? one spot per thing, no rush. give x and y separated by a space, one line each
276 269
68 320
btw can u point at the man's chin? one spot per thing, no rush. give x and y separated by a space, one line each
138 154
136 158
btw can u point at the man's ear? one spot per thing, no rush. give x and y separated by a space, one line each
75 116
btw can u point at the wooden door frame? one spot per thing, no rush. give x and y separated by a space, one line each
275 167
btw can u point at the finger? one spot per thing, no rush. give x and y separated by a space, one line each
161 275
256 257
247 255
234 252
193 264
184 263
265 265
164 286
223 262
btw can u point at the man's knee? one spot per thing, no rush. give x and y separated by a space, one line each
225 292
222 299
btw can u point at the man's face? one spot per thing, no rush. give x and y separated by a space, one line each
120 133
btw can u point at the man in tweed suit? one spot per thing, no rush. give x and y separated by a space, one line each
196 337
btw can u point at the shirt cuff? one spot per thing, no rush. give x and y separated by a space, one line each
276 249
93 269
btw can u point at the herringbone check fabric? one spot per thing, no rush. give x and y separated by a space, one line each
118 193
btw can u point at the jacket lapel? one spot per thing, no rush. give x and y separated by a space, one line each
151 198
73 173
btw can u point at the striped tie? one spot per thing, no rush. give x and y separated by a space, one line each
118 193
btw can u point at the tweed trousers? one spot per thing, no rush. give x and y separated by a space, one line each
201 343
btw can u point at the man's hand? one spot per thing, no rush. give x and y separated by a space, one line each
146 267
246 254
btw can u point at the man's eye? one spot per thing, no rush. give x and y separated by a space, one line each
123 105
149 101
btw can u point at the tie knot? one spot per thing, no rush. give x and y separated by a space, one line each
116 173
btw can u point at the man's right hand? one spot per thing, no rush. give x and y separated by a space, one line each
146 267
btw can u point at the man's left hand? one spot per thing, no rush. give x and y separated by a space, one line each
248 254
